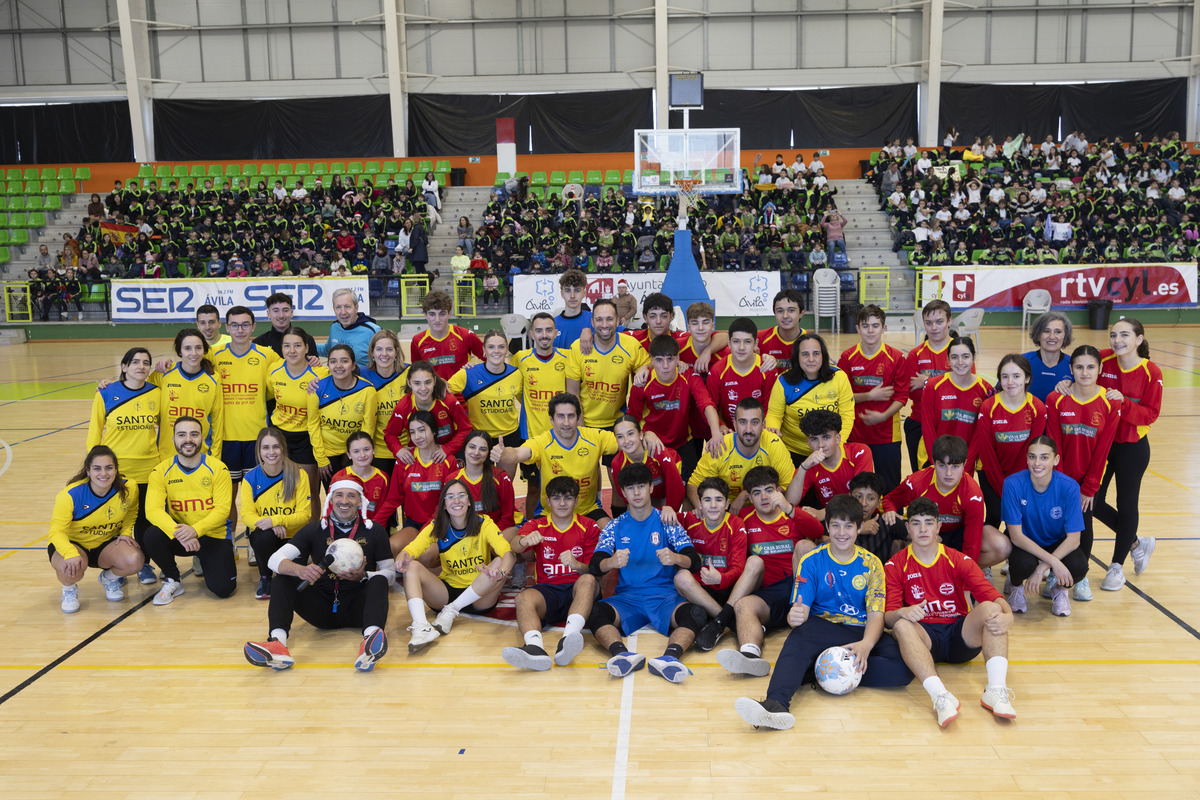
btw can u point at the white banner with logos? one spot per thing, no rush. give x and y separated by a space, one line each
176 300
1070 285
737 294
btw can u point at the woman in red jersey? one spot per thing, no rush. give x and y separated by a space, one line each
1083 423
668 489
492 491
1007 421
414 488
427 392
360 455
951 403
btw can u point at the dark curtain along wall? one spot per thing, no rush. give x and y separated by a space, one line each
984 109
854 116
316 127
68 133
581 122
1123 109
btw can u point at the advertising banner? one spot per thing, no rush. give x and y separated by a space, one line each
1127 285
161 300
737 294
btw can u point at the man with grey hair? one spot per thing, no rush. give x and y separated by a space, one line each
1051 361
352 327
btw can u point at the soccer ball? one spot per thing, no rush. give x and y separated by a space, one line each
835 671
347 556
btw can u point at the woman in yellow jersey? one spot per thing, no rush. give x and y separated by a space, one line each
288 385
343 403
808 383
274 502
92 526
475 560
492 391
125 416
190 389
385 372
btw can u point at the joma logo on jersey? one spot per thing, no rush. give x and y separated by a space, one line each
196 504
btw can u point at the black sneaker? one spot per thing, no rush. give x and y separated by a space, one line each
709 635
528 657
263 592
767 714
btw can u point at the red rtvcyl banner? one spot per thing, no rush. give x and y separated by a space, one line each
1130 285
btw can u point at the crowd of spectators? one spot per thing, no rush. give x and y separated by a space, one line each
1026 202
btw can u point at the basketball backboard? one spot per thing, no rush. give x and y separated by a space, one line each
710 155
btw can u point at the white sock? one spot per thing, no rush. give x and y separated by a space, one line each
752 650
534 638
367 631
465 599
107 576
574 624
934 686
416 607
997 671
280 635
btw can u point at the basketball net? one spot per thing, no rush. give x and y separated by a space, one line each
685 191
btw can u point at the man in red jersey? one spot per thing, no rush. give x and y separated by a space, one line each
703 345
876 372
668 402
720 539
959 500
829 468
928 360
743 373
777 534
448 347
788 306
659 312
928 613
565 589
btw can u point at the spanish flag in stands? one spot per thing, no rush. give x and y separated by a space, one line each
119 233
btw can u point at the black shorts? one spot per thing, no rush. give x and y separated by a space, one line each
238 458
720 595
778 597
532 476
954 540
946 642
408 522
558 597
92 554
299 448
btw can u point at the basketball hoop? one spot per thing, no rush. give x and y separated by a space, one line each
685 190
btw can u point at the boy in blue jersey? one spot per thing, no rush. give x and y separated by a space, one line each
648 554
576 317
838 600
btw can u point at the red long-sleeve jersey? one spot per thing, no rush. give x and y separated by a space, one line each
450 353
923 360
453 424
774 540
1084 432
415 489
374 489
856 458
949 409
960 510
941 585
1002 437
1142 387
728 387
667 408
504 516
885 368
666 472
724 549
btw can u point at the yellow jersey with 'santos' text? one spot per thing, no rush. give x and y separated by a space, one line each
81 517
262 496
244 386
185 395
604 378
199 497
462 556
341 412
127 421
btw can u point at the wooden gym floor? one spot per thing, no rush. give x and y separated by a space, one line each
129 700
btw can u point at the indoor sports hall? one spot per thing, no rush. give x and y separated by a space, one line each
556 104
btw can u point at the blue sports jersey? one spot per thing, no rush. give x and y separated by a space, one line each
643 540
1046 517
842 593
569 328
1046 378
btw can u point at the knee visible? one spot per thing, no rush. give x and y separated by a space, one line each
222 588
754 565
602 615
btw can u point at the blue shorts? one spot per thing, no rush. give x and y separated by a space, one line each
641 608
778 597
238 458
946 642
558 597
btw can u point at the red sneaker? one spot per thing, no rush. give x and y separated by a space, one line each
270 653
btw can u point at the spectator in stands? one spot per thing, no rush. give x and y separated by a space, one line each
216 266
834 223
466 235
433 200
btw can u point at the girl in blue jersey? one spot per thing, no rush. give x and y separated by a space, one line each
92 526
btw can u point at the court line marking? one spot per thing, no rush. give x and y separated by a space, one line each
1165 611
43 394
7 456
27 544
51 433
621 760
1187 489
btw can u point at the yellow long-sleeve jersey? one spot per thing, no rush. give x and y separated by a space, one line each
127 421
199 497
84 518
262 496
341 412
185 395
244 386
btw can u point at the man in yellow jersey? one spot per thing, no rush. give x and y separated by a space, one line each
186 504
208 322
544 374
245 369
748 447
600 379
566 449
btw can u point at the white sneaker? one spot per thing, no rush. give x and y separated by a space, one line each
169 591
112 589
998 700
197 567
70 599
1048 586
1082 591
947 706
445 620
251 557
1141 553
1114 579
423 634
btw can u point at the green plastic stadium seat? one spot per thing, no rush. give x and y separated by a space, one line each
17 203
627 177
53 203
403 178
558 178
13 175
215 171
266 170
37 220
594 177
538 179
161 171
4 220
408 166
390 167
18 236
249 170
35 203
233 171
425 166
83 174
32 187
302 169
30 174
196 171
18 220
3 205
144 171
616 187
554 189
612 176
66 186
4 256
354 168
575 176
371 168
442 166
501 177
48 173
443 178
538 191
49 187
320 168
180 171
337 168
283 170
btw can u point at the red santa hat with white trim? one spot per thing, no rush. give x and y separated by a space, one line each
347 481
